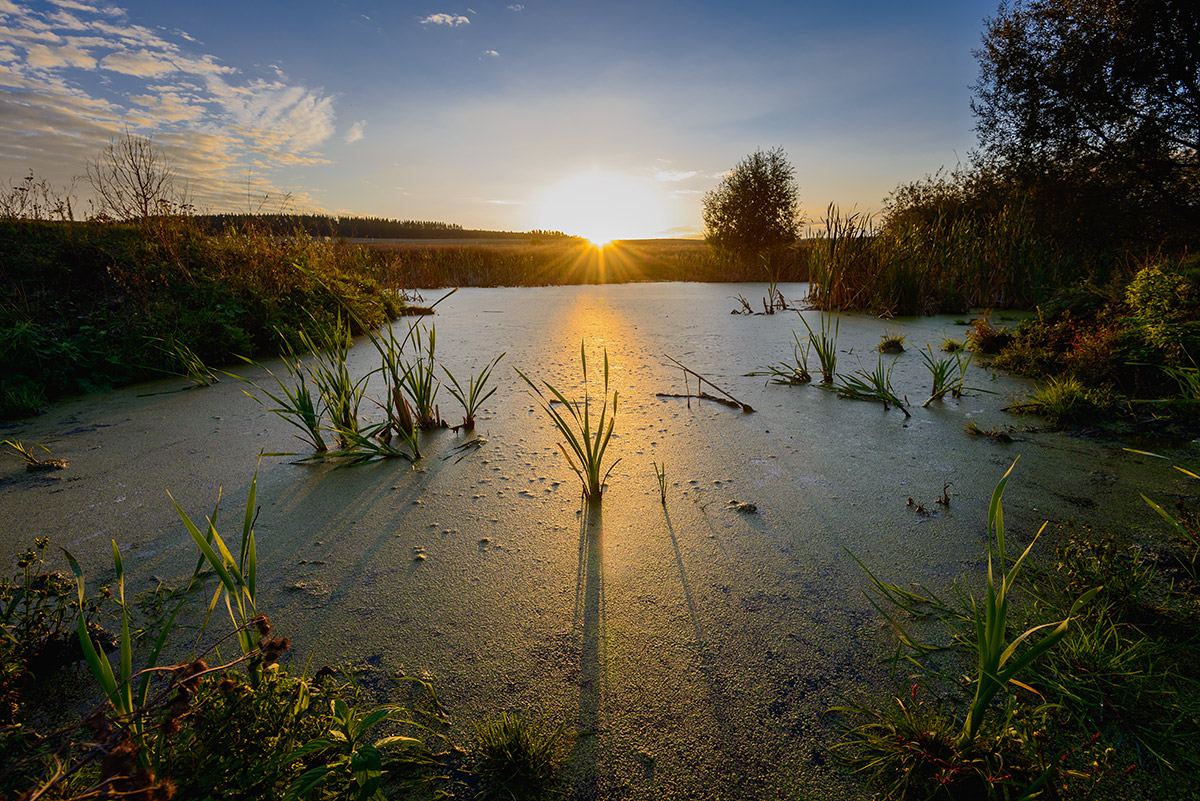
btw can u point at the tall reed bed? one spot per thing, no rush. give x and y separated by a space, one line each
940 262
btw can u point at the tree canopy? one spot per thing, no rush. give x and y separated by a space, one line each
755 208
1106 90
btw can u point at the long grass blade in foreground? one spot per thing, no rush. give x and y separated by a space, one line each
576 427
991 621
238 577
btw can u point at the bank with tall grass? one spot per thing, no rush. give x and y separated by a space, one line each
93 305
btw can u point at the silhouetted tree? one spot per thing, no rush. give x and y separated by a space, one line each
755 210
133 180
1099 94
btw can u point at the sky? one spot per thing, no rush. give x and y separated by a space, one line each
552 114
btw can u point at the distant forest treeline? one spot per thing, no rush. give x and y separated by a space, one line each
357 227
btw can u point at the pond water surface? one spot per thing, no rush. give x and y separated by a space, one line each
695 645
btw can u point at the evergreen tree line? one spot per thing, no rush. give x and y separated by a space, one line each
319 225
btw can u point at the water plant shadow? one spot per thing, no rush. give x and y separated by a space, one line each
589 617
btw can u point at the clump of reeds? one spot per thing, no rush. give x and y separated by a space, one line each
295 402
473 395
575 425
949 374
825 344
872 386
795 372
341 394
419 381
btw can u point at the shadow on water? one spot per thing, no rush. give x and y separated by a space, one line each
589 618
716 686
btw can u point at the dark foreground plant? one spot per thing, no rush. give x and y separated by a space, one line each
200 728
999 663
913 749
518 756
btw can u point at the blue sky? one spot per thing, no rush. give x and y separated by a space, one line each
485 113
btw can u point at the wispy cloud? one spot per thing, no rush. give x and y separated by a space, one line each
492 53
74 75
672 175
516 7
356 132
452 20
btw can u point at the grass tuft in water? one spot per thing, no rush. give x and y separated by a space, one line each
891 341
873 386
576 426
794 373
472 396
518 756
660 472
825 344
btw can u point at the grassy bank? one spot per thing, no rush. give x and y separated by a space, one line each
88 306
1120 356
1087 682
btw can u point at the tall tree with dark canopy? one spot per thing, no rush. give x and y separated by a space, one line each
1103 92
755 210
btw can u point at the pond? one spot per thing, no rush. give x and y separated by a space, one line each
695 644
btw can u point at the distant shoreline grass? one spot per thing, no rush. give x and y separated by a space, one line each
562 261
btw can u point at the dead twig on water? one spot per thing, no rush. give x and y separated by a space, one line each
732 402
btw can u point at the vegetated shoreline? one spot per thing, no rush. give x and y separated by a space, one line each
96 305
1167 636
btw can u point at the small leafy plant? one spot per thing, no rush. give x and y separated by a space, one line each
587 446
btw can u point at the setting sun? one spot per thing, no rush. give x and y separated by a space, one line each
603 206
